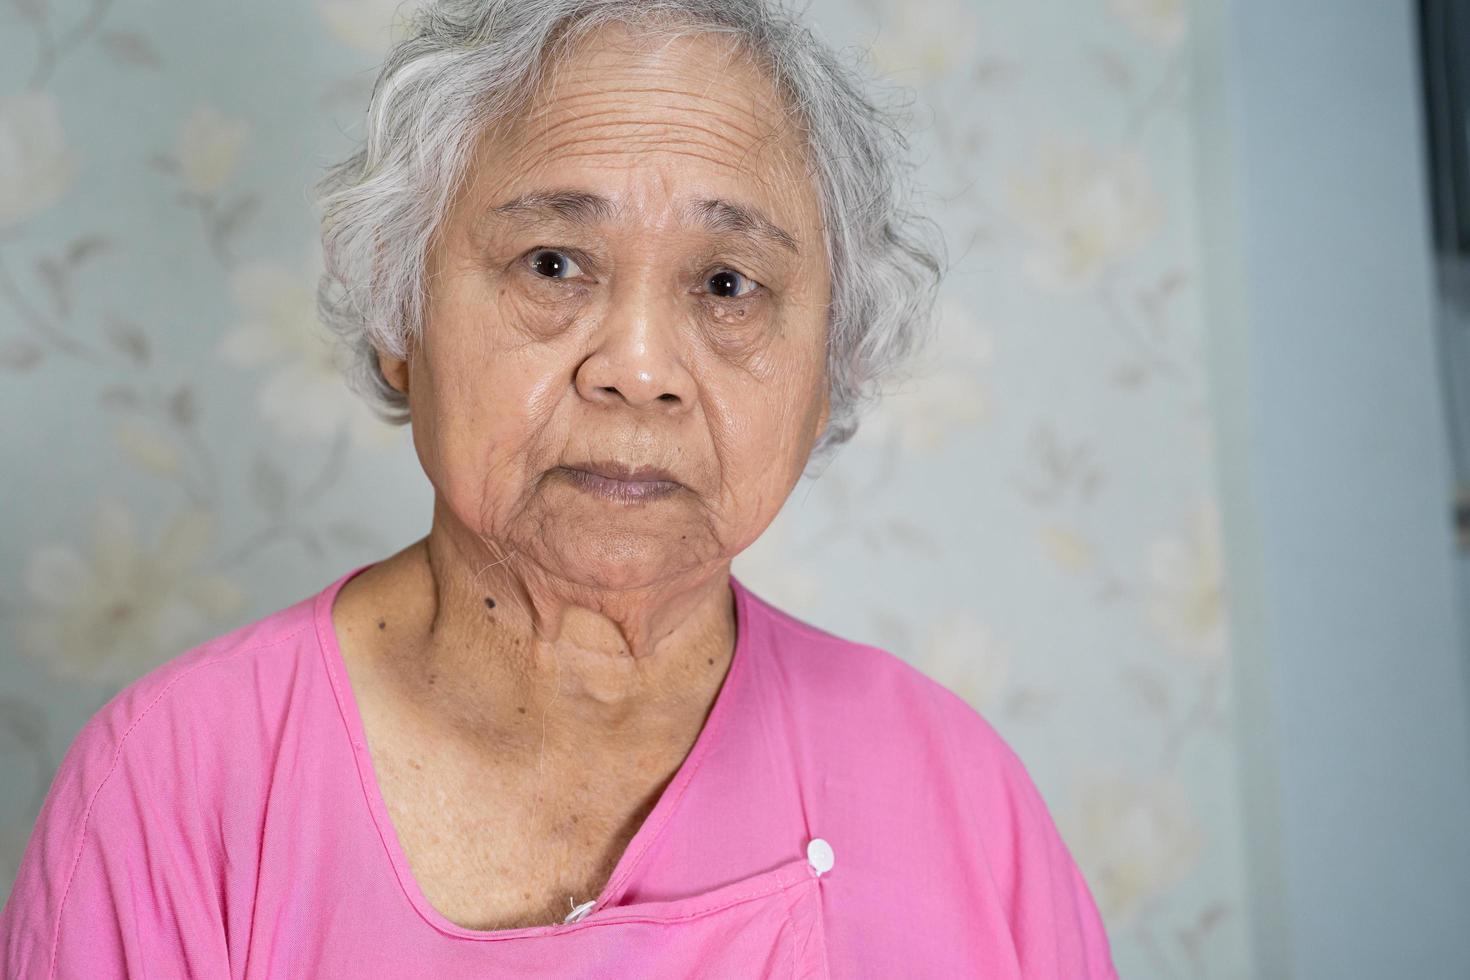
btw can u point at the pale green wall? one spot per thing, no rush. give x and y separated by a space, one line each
1350 654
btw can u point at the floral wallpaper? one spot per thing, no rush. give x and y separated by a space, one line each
1031 519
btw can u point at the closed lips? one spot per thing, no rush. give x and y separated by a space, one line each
616 471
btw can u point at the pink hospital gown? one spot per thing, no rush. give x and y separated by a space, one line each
840 815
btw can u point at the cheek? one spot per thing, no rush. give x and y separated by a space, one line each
781 374
495 396
761 426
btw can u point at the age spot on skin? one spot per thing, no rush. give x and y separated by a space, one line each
521 710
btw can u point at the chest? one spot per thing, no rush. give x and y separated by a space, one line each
495 849
498 829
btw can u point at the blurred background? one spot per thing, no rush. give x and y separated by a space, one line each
1173 500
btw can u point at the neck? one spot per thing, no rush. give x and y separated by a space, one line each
485 643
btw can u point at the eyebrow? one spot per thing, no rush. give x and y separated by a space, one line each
582 207
577 206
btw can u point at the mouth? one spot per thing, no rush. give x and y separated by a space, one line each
612 481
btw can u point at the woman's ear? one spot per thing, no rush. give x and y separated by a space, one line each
395 371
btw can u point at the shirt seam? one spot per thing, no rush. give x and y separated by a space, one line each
116 757
944 701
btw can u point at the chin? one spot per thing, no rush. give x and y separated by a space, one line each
615 577
622 562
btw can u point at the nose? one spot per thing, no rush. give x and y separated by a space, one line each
637 355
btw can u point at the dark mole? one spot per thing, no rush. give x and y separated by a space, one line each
489 603
382 625
521 710
711 661
574 818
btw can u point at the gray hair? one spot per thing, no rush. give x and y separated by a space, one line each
466 64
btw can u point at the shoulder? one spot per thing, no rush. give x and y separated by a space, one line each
169 766
908 725
189 720
857 685
202 691
896 741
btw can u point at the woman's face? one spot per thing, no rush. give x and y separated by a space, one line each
633 272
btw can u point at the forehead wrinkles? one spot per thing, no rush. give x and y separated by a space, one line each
651 117
646 115
693 95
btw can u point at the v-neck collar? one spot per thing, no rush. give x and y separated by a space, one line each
648 832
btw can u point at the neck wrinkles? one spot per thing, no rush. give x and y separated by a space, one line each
488 644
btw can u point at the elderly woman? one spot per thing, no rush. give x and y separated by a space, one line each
629 267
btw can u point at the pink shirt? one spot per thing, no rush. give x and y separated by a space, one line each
220 818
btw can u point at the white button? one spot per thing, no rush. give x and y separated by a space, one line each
819 855
580 912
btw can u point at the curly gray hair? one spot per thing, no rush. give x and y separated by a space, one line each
467 63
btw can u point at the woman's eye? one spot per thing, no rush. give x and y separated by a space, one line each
730 284
553 264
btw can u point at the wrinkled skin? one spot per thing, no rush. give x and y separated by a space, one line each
612 623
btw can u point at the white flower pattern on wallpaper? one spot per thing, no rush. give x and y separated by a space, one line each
122 605
1085 210
1162 21
209 148
1187 587
36 164
948 392
1067 547
367 25
147 447
1138 838
303 395
923 41
962 653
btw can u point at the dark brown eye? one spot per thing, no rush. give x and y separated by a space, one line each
730 284
553 264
